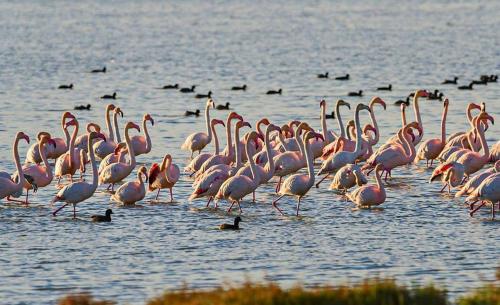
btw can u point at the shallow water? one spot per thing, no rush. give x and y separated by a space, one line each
418 236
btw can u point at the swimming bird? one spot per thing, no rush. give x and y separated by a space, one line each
187 90
103 70
70 86
468 87
388 88
359 93
83 107
176 86
222 107
228 226
321 75
208 95
480 82
450 81
330 116
109 97
406 102
274 92
192 113
239 88
346 77
101 218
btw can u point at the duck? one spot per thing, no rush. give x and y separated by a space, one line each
103 70
109 97
480 82
228 226
359 93
240 88
222 107
330 116
176 86
325 75
187 90
208 95
274 92
406 102
70 86
83 107
102 218
450 81
468 87
192 113
388 88
436 95
345 77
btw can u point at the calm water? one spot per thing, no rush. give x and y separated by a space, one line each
420 236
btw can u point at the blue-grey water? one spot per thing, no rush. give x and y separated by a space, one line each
419 236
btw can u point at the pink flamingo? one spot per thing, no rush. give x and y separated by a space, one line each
299 184
237 187
80 191
164 176
262 156
369 195
117 156
495 152
452 140
329 149
348 176
74 159
451 174
131 192
475 181
368 141
116 172
104 148
317 145
8 186
142 144
81 140
487 192
198 140
197 161
430 149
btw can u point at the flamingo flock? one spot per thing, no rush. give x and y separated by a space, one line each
253 158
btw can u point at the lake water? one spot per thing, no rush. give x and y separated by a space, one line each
419 236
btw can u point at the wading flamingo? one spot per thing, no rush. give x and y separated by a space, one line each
164 176
104 148
81 140
468 113
73 159
369 195
117 156
79 191
475 181
348 176
197 161
8 186
132 191
198 140
451 174
488 191
299 184
142 144
368 141
329 149
116 172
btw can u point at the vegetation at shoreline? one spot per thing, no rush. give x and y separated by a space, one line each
369 292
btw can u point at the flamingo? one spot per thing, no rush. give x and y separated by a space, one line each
468 112
104 148
262 156
41 176
164 176
74 159
80 191
238 186
451 174
299 184
368 141
430 149
116 172
369 195
488 191
33 154
197 161
475 181
328 150
198 140
142 144
339 159
495 152
81 140
132 191
8 186
291 143
316 145
348 176
117 156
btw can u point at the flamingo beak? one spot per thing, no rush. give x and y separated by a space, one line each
152 121
319 136
26 138
121 113
381 102
246 124
239 117
136 127
322 103
70 123
101 136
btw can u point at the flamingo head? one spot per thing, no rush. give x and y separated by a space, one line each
362 106
133 125
110 107
440 170
472 106
48 140
119 111
154 171
416 126
241 124
210 102
96 135
22 135
119 147
216 121
285 129
483 107
421 93
96 127
148 117
322 103
144 171
446 102
293 123
369 127
263 121
71 123
272 127
483 116
234 115
313 134
343 103
67 115
378 100
42 134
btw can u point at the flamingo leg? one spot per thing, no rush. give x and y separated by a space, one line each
275 206
322 179
427 163
171 196
232 204
298 206
370 171
432 161
449 188
157 194
26 201
442 189
278 186
109 186
471 213
192 152
492 211
56 211
239 206
209 200
471 205
386 174
253 196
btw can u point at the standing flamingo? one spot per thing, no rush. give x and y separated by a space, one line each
451 174
468 112
198 140
368 141
475 181
116 172
8 186
369 195
74 159
495 152
328 150
348 176
197 161
104 148
488 191
164 176
81 140
430 149
142 144
132 191
117 156
79 191
299 184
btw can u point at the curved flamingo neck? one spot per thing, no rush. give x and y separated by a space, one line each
66 133
43 155
300 143
207 122
323 124
146 135
253 168
270 160
375 126
139 177
309 160
341 124
130 149
95 175
418 118
482 138
17 161
117 130
236 146
111 136
468 112
379 182
282 140
404 143
72 145
443 125
403 116
359 140
216 139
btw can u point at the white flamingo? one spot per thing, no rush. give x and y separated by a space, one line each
73 159
487 192
473 183
299 184
8 186
104 148
198 140
369 195
348 176
131 192
142 144
164 176
197 161
329 149
81 140
80 191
